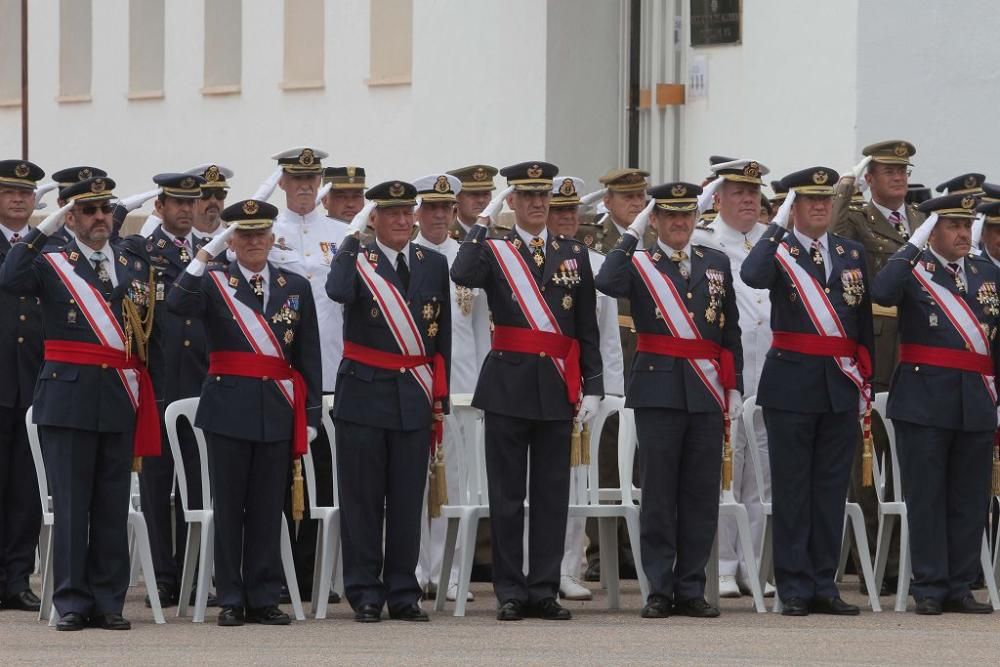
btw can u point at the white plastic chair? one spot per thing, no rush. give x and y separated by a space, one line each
198 551
136 526
328 533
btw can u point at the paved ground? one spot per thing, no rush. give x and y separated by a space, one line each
596 636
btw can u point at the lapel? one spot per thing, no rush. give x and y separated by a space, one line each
552 259
243 290
941 274
665 266
881 226
168 249
384 268
4 245
698 266
121 272
277 290
82 265
417 258
838 260
804 259
536 272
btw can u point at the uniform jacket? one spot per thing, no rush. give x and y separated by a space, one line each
20 343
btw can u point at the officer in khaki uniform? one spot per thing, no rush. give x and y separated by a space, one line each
882 225
477 190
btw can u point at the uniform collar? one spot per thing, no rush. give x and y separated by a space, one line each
807 241
265 273
391 254
440 247
312 216
88 252
728 233
8 232
189 238
526 237
941 260
886 212
668 251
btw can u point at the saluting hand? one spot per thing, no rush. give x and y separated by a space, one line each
54 220
216 245
922 233
360 222
492 210
784 211
641 222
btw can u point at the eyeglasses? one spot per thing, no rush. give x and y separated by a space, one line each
209 194
91 209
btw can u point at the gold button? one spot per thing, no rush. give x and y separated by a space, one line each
218 378
23 298
689 295
55 375
72 301
402 370
650 368
22 318
306 254
187 322
108 303
541 354
690 314
265 378
104 366
543 288
187 343
916 368
20 339
826 289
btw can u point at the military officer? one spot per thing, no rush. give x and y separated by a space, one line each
260 402
779 196
66 177
391 389
470 342
545 351
685 378
917 193
815 379
734 232
20 359
346 196
477 189
564 220
707 216
306 242
943 398
990 241
207 220
93 401
966 184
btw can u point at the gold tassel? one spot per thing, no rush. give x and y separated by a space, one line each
574 446
298 491
727 454
442 483
867 471
585 445
437 486
996 465
136 464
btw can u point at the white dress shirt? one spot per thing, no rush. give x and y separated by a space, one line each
391 254
824 248
265 273
306 245
944 265
8 232
684 264
109 258
886 212
610 336
526 237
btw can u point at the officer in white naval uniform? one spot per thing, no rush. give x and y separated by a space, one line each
470 342
734 231
564 220
306 241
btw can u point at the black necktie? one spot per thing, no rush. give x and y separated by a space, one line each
257 283
403 272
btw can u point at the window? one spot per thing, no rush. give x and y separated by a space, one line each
391 42
223 46
304 30
75 49
10 53
145 49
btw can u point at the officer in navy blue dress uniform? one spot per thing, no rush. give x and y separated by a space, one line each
811 408
20 359
942 398
84 413
529 412
382 415
65 178
247 418
178 362
678 419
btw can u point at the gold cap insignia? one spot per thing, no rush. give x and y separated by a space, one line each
678 190
21 170
83 174
212 174
534 171
250 207
820 177
900 150
306 157
970 181
441 185
968 201
187 183
479 174
567 189
351 171
396 190
752 170
98 185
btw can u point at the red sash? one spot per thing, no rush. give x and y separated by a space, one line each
263 367
146 436
686 348
823 346
945 357
555 345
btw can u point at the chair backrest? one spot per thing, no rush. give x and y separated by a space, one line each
36 456
310 466
880 405
465 439
186 408
751 414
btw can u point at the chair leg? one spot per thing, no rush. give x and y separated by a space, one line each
991 584
317 566
291 581
465 570
864 554
634 537
765 563
903 587
206 565
191 549
451 537
146 563
329 528
133 576
607 528
48 586
886 523
746 546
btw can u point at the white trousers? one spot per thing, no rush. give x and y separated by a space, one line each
434 531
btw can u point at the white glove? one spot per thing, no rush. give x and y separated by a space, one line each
135 201
492 210
781 217
588 408
641 222
706 196
977 233
360 222
41 191
735 405
592 198
53 221
322 192
923 232
266 188
858 170
212 248
311 433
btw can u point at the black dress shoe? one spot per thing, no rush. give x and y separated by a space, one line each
510 610
71 621
794 607
110 622
833 606
550 610
657 606
411 612
334 597
230 617
168 596
270 615
928 607
368 613
695 608
23 601
966 605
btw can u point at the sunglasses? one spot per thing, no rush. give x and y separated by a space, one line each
208 194
91 209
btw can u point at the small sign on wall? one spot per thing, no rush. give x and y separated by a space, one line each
698 77
715 22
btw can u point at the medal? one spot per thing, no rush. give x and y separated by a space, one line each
432 330
464 298
71 316
289 337
710 314
539 260
932 319
428 311
567 302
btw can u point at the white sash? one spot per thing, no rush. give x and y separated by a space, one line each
821 312
98 314
681 325
961 317
255 328
525 290
397 315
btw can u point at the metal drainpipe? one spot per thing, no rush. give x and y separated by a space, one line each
634 55
678 51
